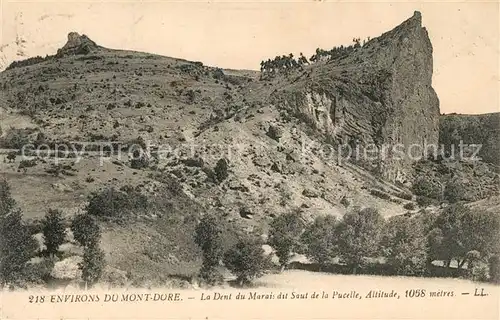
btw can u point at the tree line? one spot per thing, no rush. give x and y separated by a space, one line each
364 242
284 64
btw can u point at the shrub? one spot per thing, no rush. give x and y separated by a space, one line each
221 170
113 203
16 138
424 201
139 160
409 206
454 192
274 132
218 74
426 187
405 195
380 194
27 164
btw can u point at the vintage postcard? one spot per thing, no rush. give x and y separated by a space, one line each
249 160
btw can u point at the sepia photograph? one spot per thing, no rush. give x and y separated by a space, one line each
221 158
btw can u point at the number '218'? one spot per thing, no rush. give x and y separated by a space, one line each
37 299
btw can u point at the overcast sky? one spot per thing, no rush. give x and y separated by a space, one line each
240 34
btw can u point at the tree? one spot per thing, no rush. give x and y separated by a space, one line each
92 265
7 203
284 235
208 236
17 247
53 230
494 268
460 230
358 236
86 230
319 241
246 260
405 246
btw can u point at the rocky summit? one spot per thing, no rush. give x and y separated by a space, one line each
244 145
77 44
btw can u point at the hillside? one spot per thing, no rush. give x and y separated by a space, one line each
279 134
473 129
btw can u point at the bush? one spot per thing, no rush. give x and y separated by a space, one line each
405 196
424 201
39 273
454 192
409 206
380 194
112 203
27 164
426 187
221 170
274 132
139 160
218 74
15 139
246 260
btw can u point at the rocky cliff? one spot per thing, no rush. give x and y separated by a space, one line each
380 93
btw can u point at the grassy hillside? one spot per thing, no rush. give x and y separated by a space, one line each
196 116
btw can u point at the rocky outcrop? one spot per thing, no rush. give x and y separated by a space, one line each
77 44
380 95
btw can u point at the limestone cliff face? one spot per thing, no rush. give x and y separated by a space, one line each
379 93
